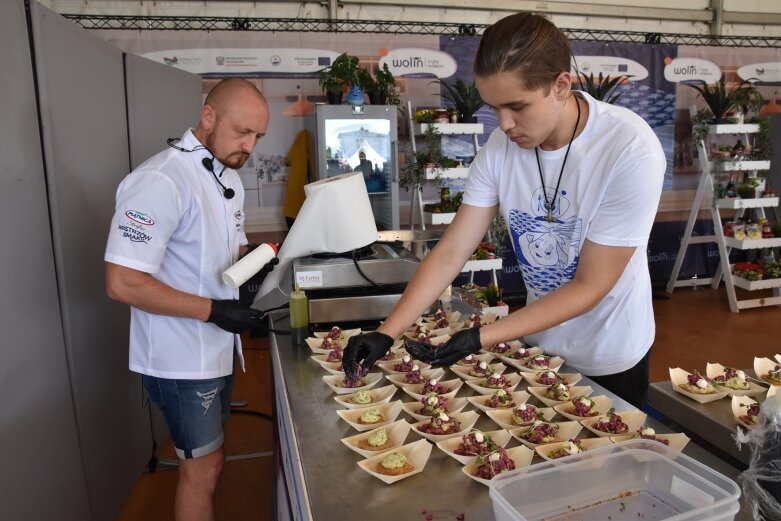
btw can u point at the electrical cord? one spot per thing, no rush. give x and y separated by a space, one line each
360 271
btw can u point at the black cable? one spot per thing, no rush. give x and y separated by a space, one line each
360 271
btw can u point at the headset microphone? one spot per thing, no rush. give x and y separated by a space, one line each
208 164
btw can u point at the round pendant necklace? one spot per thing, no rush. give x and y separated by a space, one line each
550 205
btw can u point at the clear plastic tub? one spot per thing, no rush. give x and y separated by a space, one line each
633 480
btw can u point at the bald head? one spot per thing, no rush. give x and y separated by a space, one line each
233 118
229 93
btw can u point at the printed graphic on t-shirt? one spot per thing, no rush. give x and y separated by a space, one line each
547 251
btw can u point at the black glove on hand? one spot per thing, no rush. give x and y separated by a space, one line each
365 349
269 266
460 345
233 316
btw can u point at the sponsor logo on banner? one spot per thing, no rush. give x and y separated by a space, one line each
140 217
210 61
609 66
413 61
764 72
688 69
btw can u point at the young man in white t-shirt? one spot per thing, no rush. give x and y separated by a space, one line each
578 182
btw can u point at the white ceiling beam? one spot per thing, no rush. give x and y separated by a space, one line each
568 8
730 17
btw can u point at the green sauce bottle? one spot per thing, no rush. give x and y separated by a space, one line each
299 316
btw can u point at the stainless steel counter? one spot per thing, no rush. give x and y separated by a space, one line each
712 422
324 482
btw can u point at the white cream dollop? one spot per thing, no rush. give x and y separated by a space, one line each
406 359
433 381
701 383
648 431
483 365
444 417
432 400
572 448
469 358
415 367
494 456
479 437
741 375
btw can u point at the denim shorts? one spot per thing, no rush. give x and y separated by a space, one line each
194 411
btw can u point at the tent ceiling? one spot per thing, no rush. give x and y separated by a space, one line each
716 17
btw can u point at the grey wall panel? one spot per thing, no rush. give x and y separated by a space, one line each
82 99
37 425
162 102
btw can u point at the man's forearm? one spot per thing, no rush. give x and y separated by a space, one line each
435 272
143 291
440 267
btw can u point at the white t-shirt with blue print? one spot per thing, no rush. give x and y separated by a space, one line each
609 194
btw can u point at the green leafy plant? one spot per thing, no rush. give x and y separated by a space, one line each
701 125
342 73
382 83
464 96
413 172
763 146
720 100
386 84
602 88
492 295
497 232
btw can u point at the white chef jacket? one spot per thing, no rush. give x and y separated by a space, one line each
173 222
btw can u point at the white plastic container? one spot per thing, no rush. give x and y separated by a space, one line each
632 480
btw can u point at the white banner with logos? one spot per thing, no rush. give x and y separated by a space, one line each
412 61
609 66
244 61
769 72
688 69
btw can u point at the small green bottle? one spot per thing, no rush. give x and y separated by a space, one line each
299 316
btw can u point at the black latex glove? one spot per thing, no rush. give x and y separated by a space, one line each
365 349
460 345
269 266
233 316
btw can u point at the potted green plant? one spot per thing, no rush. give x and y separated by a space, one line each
701 125
747 99
465 98
380 87
413 172
602 88
721 101
343 73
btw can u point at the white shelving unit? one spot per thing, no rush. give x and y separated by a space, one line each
706 192
491 265
417 203
446 129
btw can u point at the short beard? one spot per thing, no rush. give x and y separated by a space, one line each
233 164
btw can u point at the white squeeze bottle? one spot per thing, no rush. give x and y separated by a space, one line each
250 264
